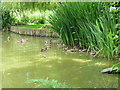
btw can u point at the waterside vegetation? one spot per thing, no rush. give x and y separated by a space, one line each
90 27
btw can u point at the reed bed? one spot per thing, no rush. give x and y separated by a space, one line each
89 25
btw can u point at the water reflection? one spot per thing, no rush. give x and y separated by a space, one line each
24 61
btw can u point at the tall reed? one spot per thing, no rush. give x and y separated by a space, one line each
86 24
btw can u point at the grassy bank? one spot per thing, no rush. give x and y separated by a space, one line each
34 30
37 26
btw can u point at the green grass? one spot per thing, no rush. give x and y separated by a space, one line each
36 26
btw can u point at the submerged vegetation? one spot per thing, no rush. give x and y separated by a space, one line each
45 83
89 25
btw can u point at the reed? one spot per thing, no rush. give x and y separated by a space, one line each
89 25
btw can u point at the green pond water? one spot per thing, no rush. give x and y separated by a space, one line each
24 61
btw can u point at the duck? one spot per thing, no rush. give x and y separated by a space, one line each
47 42
60 45
48 47
8 37
43 56
70 50
22 41
44 49
84 50
93 53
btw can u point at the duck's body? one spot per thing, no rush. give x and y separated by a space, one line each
61 45
93 53
22 41
44 49
48 47
8 38
84 50
47 42
70 50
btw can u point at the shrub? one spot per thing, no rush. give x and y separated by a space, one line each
6 19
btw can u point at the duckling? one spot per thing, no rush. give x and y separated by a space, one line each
8 37
80 49
93 53
43 56
75 47
47 42
22 41
84 50
70 50
65 49
44 49
48 47
61 45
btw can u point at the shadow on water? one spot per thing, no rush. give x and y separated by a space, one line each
22 62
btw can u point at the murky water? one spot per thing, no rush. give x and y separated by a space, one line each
24 61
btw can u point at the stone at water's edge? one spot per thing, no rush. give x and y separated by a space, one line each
34 32
108 70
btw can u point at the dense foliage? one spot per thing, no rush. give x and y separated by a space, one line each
90 25
6 19
22 13
30 17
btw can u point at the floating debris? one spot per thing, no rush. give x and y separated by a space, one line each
110 70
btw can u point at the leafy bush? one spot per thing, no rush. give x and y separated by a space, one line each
30 17
6 19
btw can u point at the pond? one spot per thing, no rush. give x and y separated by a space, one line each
24 61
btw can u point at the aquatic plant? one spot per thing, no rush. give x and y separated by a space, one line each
86 24
45 83
116 66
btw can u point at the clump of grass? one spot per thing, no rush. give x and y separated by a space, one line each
89 25
45 83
